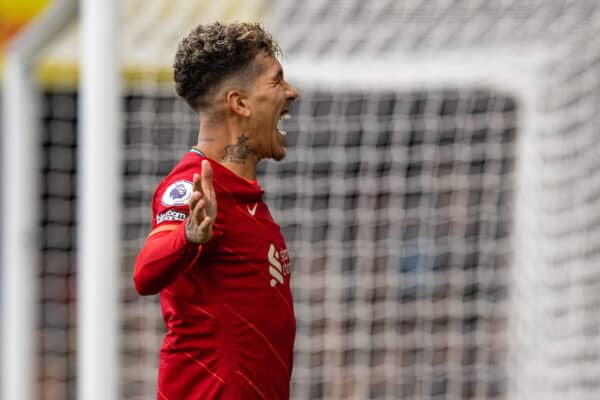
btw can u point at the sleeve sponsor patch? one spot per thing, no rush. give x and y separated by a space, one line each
177 194
170 215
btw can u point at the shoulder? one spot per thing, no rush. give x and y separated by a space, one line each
169 203
176 188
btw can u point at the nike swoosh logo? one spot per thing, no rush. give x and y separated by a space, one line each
252 210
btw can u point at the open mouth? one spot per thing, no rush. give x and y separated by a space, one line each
283 117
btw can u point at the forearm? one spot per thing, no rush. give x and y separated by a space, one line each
164 256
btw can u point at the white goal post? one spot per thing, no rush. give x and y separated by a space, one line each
99 193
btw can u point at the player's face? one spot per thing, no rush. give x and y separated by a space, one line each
269 102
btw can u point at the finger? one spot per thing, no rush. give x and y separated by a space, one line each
193 201
206 224
196 192
206 180
196 183
198 213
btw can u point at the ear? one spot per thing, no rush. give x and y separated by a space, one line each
237 101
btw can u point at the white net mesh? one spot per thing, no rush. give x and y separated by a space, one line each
444 236
400 217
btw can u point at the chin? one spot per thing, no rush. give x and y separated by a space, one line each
279 155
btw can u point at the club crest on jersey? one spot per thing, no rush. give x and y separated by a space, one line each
279 265
177 194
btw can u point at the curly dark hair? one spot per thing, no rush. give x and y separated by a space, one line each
212 53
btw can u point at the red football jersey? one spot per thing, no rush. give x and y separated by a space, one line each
229 314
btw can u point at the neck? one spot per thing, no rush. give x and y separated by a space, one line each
225 142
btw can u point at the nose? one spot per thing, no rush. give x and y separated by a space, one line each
292 93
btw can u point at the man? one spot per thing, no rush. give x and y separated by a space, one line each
223 272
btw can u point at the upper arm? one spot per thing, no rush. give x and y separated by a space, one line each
170 201
169 204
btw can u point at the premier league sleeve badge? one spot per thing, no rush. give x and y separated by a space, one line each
177 194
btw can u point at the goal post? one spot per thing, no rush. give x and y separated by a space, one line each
99 194
18 234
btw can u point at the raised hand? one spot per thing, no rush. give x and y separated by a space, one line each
203 207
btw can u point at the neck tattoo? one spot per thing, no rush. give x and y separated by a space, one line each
238 153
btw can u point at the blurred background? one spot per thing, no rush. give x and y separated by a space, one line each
440 198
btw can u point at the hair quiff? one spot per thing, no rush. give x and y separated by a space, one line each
212 53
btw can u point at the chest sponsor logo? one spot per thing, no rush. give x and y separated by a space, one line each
170 215
177 194
279 265
252 210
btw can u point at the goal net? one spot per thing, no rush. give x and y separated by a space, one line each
440 197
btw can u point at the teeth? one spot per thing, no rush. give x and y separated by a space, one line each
283 117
